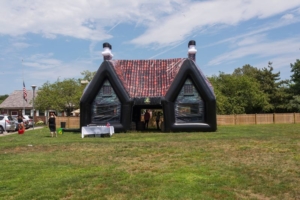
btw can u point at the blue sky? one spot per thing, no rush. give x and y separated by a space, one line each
44 41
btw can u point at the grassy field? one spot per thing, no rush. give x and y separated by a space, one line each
236 162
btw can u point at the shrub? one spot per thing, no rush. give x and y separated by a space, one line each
40 123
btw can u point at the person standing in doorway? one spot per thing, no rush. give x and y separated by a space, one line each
52 124
146 118
157 120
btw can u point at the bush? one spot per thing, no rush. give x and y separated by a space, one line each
40 123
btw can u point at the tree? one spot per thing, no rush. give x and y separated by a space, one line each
282 97
247 70
88 75
238 94
295 77
294 104
222 100
61 96
270 84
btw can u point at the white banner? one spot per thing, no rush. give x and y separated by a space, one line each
97 130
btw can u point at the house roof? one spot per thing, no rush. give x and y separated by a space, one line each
150 78
147 78
15 100
137 80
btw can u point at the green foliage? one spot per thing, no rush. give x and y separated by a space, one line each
295 77
40 123
275 90
238 94
222 100
294 104
60 96
88 75
3 97
247 70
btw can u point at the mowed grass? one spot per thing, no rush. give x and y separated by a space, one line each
236 162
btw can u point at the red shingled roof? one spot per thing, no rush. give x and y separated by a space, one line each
147 78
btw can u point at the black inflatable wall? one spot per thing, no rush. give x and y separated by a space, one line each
105 72
190 71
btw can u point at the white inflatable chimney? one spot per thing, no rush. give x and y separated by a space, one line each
192 50
106 53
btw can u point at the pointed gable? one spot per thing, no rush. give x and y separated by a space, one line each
147 78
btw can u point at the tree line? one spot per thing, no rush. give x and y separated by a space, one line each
252 90
247 90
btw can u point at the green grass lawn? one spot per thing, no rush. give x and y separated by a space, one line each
236 162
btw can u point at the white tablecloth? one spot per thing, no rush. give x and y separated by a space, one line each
97 130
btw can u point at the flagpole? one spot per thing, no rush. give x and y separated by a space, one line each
23 113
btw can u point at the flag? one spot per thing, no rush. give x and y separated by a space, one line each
24 92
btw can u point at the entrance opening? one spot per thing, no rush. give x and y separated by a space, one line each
138 121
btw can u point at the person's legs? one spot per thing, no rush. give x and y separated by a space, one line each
157 124
146 124
52 130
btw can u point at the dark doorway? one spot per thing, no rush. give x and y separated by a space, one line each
138 112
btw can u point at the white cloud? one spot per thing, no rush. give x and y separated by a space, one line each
260 30
199 15
20 45
262 49
168 21
288 16
48 19
251 40
79 19
42 62
43 67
